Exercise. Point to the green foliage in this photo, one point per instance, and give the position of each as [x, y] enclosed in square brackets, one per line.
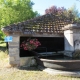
[1, 35]
[75, 13]
[13, 11]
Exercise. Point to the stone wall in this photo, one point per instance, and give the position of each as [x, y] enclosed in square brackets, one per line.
[68, 37]
[76, 38]
[14, 50]
[27, 61]
[72, 38]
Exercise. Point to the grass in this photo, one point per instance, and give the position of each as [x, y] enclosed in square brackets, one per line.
[12, 73]
[2, 44]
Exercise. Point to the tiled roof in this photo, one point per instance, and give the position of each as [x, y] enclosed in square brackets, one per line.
[48, 23]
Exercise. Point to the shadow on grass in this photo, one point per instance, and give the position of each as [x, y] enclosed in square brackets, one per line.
[32, 68]
[1, 42]
[2, 48]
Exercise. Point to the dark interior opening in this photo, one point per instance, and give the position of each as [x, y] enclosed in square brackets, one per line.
[48, 44]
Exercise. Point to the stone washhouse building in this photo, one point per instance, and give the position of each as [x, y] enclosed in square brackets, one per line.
[56, 33]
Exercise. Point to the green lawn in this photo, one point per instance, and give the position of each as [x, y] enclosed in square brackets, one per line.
[12, 73]
[2, 44]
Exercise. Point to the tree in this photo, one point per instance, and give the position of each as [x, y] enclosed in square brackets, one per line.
[14, 11]
[75, 12]
[71, 13]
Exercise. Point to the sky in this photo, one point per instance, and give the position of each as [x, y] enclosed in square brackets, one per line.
[41, 5]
